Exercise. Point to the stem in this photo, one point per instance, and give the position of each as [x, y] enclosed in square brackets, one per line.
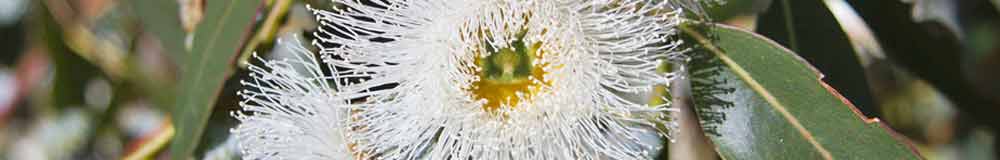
[691, 141]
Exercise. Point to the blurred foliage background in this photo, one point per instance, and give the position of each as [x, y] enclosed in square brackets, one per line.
[99, 79]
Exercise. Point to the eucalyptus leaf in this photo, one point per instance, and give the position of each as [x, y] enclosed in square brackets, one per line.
[217, 41]
[758, 100]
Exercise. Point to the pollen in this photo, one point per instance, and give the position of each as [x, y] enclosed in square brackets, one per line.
[509, 75]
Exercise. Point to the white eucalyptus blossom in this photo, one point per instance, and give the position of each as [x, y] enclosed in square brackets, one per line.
[500, 79]
[468, 79]
[290, 111]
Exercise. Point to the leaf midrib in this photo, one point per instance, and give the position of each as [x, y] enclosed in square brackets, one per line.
[757, 87]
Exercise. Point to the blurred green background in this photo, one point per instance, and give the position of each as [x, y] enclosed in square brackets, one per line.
[97, 79]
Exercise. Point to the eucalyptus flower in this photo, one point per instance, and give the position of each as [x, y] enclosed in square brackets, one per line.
[469, 79]
[290, 112]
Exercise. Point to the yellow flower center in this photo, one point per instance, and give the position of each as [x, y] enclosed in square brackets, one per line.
[507, 72]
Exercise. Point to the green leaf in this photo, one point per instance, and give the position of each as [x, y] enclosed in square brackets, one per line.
[217, 41]
[758, 100]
